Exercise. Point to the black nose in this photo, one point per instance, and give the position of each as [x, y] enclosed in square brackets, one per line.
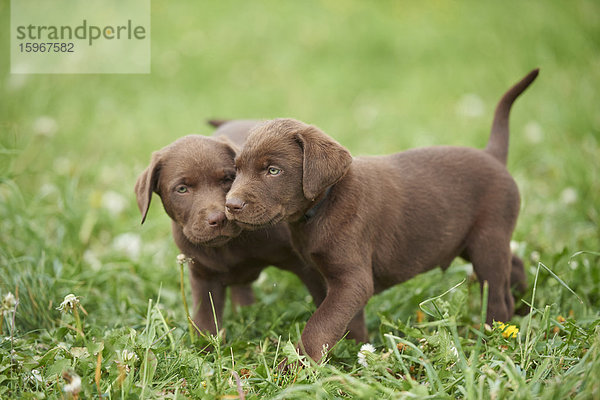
[234, 204]
[216, 219]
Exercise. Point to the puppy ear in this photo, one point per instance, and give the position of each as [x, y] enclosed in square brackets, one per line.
[147, 183]
[233, 148]
[217, 122]
[325, 161]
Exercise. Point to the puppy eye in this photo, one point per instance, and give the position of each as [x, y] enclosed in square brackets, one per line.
[273, 171]
[181, 189]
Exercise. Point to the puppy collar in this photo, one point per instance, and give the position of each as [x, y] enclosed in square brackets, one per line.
[313, 210]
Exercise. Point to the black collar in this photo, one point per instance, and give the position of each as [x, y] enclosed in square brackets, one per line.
[313, 210]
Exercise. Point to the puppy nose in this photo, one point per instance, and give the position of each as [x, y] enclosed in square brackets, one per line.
[234, 204]
[216, 219]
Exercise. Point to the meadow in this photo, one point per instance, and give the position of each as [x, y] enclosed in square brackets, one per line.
[380, 77]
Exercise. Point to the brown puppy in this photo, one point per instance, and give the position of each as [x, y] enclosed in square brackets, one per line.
[192, 177]
[370, 222]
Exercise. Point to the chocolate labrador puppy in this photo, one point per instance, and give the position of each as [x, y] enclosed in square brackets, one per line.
[368, 223]
[192, 177]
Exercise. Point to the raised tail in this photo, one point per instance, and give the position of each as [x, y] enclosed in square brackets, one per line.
[498, 143]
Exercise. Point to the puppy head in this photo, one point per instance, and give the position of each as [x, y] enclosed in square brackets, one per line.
[192, 177]
[284, 166]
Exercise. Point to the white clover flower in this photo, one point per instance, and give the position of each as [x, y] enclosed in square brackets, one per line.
[324, 350]
[35, 375]
[183, 259]
[8, 302]
[568, 196]
[63, 166]
[533, 132]
[17, 81]
[90, 258]
[47, 189]
[470, 105]
[362, 353]
[128, 243]
[454, 351]
[73, 385]
[514, 246]
[45, 126]
[573, 264]
[127, 355]
[115, 203]
[69, 303]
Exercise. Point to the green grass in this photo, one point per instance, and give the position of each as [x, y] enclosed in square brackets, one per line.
[378, 76]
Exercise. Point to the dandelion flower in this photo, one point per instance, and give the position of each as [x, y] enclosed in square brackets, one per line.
[508, 331]
[69, 303]
[183, 259]
[362, 353]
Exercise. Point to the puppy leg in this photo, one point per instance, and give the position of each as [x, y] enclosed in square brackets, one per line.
[518, 283]
[204, 291]
[357, 329]
[241, 295]
[346, 297]
[315, 284]
[312, 279]
[491, 260]
[518, 279]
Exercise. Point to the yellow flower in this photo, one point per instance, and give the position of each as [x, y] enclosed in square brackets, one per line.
[508, 331]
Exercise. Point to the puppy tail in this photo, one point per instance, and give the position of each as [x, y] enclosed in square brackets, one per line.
[498, 144]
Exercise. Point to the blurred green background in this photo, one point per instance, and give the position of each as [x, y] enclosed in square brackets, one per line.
[380, 77]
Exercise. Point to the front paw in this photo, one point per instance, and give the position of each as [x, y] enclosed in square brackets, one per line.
[293, 360]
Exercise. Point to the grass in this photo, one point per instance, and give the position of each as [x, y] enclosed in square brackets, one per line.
[379, 77]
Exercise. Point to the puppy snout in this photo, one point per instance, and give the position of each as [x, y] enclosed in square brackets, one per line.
[216, 219]
[234, 204]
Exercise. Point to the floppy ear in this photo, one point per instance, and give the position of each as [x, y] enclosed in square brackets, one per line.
[217, 122]
[233, 148]
[147, 183]
[325, 161]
